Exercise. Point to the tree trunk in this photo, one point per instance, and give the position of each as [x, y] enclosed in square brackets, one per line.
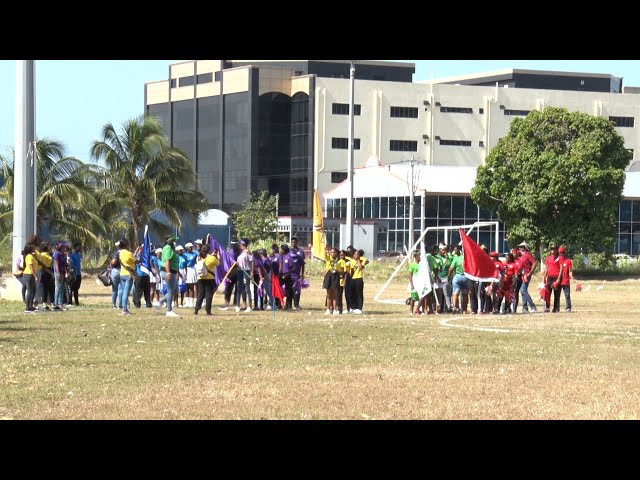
[541, 248]
[136, 233]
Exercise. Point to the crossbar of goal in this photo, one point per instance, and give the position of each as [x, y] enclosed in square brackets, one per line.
[447, 231]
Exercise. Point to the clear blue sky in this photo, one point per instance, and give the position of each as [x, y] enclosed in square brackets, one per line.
[75, 98]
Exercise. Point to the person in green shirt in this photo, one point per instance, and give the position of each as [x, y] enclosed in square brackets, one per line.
[413, 269]
[442, 285]
[169, 264]
[459, 281]
[431, 302]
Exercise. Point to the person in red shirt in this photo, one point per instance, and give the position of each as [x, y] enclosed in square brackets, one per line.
[552, 279]
[509, 284]
[518, 278]
[528, 264]
[567, 276]
[496, 287]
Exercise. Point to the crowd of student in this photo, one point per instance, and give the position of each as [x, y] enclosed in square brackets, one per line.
[50, 275]
[184, 277]
[344, 275]
[453, 292]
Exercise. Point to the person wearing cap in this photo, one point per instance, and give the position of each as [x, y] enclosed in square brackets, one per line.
[191, 275]
[245, 277]
[198, 244]
[154, 279]
[115, 277]
[170, 262]
[552, 279]
[528, 264]
[567, 276]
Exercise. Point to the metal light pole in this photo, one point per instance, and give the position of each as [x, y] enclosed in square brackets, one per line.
[24, 187]
[352, 74]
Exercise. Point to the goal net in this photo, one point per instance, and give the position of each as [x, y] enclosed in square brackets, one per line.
[395, 291]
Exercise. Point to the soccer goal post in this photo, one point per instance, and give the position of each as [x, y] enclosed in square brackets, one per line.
[448, 230]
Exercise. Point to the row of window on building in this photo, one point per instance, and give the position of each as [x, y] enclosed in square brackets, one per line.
[412, 112]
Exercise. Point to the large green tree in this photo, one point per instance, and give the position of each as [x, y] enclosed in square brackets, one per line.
[65, 200]
[257, 220]
[557, 176]
[144, 176]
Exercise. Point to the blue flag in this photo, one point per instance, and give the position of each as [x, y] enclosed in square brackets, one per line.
[226, 260]
[145, 255]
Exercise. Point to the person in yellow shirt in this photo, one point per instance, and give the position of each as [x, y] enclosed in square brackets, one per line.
[127, 272]
[205, 268]
[346, 268]
[334, 267]
[46, 278]
[30, 275]
[357, 280]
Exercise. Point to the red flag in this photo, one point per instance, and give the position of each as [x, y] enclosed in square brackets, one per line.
[477, 264]
[276, 290]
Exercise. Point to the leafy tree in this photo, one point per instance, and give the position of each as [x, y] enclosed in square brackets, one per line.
[144, 176]
[257, 220]
[557, 176]
[65, 200]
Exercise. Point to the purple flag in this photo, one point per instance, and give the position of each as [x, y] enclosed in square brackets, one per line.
[226, 260]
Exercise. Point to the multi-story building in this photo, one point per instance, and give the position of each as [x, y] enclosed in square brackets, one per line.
[282, 126]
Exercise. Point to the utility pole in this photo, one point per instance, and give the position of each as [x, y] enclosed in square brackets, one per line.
[352, 74]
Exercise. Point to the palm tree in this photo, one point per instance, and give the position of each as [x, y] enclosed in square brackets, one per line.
[145, 175]
[65, 201]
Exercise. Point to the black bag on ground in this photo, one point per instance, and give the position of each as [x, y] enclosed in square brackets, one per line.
[105, 277]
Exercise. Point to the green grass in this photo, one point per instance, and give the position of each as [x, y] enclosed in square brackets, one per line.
[91, 363]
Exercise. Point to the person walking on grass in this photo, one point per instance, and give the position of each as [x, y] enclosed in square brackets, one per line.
[75, 259]
[30, 276]
[567, 277]
[115, 277]
[170, 262]
[128, 262]
[528, 264]
[334, 267]
[205, 266]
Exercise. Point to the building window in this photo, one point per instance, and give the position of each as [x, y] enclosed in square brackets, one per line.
[458, 143]
[622, 121]
[338, 177]
[343, 109]
[217, 76]
[403, 146]
[298, 73]
[456, 110]
[343, 143]
[631, 152]
[404, 112]
[205, 78]
[173, 82]
[481, 143]
[481, 111]
[185, 81]
[520, 113]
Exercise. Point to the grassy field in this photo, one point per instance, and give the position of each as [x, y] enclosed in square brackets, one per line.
[91, 363]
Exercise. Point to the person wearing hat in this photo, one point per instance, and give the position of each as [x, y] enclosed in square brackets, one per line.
[528, 264]
[198, 244]
[567, 276]
[191, 276]
[552, 279]
[170, 262]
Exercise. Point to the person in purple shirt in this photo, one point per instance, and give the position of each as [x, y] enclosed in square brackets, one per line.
[232, 278]
[296, 250]
[291, 267]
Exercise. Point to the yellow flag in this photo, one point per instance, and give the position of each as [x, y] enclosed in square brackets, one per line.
[319, 240]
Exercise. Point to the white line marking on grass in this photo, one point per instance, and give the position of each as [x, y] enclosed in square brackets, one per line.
[445, 323]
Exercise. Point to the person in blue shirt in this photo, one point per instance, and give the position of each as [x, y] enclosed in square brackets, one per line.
[154, 279]
[115, 278]
[192, 277]
[142, 284]
[182, 276]
[75, 258]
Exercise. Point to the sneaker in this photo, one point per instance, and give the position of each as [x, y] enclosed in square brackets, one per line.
[126, 312]
[172, 314]
[336, 312]
[30, 310]
[223, 308]
[208, 314]
[195, 312]
[357, 311]
[546, 310]
[248, 309]
[327, 312]
[298, 307]
[268, 308]
[237, 309]
[567, 310]
[112, 306]
[47, 309]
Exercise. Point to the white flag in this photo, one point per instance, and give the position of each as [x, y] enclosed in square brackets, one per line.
[422, 280]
